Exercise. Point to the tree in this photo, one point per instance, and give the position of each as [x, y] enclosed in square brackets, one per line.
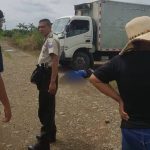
[31, 27]
[22, 27]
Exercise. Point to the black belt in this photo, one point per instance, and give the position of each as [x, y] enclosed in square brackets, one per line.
[44, 65]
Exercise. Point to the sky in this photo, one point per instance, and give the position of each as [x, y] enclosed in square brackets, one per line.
[31, 11]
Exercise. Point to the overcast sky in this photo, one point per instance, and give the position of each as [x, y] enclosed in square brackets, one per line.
[31, 11]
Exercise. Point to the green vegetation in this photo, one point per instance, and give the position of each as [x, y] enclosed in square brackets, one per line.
[24, 36]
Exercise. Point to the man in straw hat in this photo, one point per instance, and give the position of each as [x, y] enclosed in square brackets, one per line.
[3, 94]
[130, 69]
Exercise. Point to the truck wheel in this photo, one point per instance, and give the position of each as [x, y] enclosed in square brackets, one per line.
[80, 61]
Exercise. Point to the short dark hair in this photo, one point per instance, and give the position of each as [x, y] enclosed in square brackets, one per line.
[47, 21]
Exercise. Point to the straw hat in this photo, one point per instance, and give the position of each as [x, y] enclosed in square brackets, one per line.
[137, 29]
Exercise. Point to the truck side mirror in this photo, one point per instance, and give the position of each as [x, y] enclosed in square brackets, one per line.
[67, 28]
[61, 35]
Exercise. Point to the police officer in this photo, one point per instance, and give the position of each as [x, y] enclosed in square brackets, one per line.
[3, 94]
[49, 58]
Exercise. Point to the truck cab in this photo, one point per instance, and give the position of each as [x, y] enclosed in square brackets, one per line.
[75, 35]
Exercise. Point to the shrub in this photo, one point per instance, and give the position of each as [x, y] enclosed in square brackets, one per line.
[25, 36]
[27, 40]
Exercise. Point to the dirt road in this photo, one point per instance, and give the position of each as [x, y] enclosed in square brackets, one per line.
[86, 119]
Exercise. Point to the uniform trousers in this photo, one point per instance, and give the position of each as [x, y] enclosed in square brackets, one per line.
[46, 111]
[46, 114]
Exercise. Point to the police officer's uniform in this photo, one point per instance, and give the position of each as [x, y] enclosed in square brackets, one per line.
[50, 45]
[46, 110]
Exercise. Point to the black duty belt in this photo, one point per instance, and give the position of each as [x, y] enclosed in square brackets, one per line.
[44, 65]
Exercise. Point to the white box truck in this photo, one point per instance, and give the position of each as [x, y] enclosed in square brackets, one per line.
[96, 30]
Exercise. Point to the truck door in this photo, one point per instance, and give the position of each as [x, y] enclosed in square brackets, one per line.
[79, 35]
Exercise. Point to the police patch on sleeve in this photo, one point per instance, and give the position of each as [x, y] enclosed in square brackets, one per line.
[50, 45]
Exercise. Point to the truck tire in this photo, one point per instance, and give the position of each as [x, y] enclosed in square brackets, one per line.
[81, 60]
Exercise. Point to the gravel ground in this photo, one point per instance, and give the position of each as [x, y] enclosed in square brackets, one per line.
[86, 119]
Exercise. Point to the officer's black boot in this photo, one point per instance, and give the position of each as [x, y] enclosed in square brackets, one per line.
[52, 139]
[40, 145]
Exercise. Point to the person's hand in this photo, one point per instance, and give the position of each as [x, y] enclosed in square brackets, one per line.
[123, 114]
[7, 113]
[52, 88]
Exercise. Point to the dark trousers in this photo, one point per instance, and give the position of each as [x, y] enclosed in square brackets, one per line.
[135, 139]
[46, 114]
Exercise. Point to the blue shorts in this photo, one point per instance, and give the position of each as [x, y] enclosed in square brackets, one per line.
[135, 139]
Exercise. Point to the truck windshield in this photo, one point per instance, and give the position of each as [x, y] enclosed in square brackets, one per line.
[59, 25]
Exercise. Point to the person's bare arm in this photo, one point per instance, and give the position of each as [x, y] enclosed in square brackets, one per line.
[55, 62]
[5, 101]
[109, 91]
